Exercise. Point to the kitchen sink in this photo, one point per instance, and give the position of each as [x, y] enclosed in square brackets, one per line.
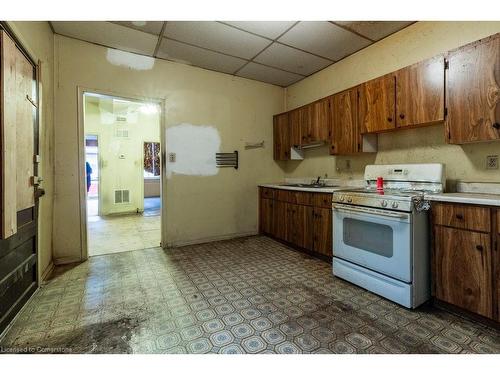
[317, 186]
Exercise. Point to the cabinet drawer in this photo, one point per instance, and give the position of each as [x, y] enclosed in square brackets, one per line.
[322, 200]
[462, 216]
[267, 193]
[295, 197]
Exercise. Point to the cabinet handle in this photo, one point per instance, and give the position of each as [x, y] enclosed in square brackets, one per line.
[496, 125]
[479, 247]
[459, 216]
[389, 119]
[401, 116]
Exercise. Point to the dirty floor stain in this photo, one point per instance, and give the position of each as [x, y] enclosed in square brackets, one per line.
[250, 295]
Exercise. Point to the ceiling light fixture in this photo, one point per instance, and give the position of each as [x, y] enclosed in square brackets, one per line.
[139, 23]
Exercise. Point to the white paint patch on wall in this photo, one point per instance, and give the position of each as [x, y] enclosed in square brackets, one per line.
[195, 148]
[130, 60]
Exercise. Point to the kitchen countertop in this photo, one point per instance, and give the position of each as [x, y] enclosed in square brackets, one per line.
[468, 198]
[331, 185]
[487, 194]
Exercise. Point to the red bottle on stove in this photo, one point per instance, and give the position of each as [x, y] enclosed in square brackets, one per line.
[380, 184]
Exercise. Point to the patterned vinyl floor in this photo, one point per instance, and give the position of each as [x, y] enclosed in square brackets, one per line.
[251, 295]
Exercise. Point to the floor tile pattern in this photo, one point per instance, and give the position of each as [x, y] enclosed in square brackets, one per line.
[249, 295]
[119, 233]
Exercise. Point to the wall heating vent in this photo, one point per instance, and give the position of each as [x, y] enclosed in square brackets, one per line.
[121, 119]
[122, 196]
[121, 133]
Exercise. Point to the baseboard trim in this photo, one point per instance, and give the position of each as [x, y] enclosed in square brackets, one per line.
[68, 260]
[199, 241]
[48, 271]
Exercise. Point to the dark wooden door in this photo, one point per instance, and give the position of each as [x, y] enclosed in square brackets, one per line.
[322, 231]
[473, 92]
[377, 100]
[266, 216]
[295, 127]
[345, 137]
[463, 269]
[321, 119]
[420, 93]
[281, 137]
[19, 205]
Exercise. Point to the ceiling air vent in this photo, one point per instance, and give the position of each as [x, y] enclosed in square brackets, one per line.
[122, 196]
[121, 119]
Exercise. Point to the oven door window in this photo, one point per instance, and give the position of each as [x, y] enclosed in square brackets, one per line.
[369, 236]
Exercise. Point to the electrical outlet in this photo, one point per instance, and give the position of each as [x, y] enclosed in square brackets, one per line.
[171, 157]
[492, 162]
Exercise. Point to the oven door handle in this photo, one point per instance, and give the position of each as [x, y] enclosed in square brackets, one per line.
[351, 209]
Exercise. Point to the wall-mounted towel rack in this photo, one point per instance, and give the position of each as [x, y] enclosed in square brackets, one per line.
[227, 159]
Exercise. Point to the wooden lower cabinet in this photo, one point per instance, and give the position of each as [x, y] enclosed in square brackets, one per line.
[465, 256]
[322, 231]
[266, 224]
[302, 219]
[463, 269]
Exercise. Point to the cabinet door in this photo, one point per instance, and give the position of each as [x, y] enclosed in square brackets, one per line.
[281, 218]
[299, 225]
[281, 137]
[420, 93]
[322, 231]
[321, 119]
[267, 218]
[295, 127]
[473, 92]
[463, 269]
[345, 130]
[305, 118]
[377, 104]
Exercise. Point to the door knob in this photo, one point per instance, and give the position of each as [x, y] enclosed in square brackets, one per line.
[479, 247]
[389, 119]
[401, 116]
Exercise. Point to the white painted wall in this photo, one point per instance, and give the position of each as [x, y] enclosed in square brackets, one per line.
[199, 208]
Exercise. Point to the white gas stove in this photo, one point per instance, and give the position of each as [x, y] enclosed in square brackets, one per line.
[381, 236]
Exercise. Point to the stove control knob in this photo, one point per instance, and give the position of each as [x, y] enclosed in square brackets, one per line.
[384, 203]
[394, 205]
[341, 198]
[349, 200]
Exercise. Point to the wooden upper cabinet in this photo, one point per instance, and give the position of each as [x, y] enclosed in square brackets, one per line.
[281, 137]
[321, 119]
[463, 269]
[377, 110]
[345, 137]
[473, 92]
[295, 127]
[420, 93]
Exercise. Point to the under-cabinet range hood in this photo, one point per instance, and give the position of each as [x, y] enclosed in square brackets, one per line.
[297, 152]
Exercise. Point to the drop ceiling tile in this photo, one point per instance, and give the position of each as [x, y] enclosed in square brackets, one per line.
[216, 36]
[269, 29]
[324, 39]
[152, 27]
[267, 74]
[291, 59]
[108, 34]
[183, 53]
[375, 30]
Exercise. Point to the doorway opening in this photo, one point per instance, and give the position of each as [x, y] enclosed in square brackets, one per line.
[123, 173]
[92, 175]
